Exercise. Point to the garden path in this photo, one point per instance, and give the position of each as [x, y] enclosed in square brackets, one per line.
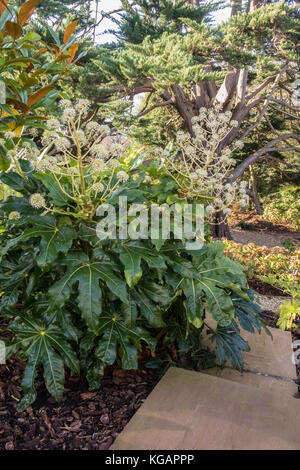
[221, 408]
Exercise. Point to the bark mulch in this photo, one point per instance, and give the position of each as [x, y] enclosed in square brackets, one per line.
[82, 421]
[265, 289]
[250, 220]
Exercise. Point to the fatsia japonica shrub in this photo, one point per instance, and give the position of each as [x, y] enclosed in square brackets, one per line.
[74, 299]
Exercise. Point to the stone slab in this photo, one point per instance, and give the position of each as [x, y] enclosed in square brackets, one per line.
[267, 355]
[189, 410]
[255, 379]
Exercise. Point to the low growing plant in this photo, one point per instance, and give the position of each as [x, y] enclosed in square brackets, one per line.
[74, 300]
[278, 262]
[289, 310]
[284, 206]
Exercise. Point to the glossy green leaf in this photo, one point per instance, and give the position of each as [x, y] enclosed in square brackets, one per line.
[132, 264]
[193, 303]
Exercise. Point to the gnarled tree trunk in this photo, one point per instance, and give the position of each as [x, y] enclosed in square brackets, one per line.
[219, 227]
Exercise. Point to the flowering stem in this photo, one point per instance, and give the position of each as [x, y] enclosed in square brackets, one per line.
[80, 165]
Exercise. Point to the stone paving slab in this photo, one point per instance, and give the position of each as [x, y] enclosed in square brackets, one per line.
[255, 379]
[267, 355]
[189, 410]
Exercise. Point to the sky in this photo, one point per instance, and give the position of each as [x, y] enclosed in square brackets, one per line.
[109, 5]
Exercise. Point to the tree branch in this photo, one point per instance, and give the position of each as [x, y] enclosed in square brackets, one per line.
[270, 147]
[156, 105]
[283, 103]
[260, 87]
[267, 101]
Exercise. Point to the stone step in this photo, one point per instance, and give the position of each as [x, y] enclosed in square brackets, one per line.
[190, 410]
[268, 365]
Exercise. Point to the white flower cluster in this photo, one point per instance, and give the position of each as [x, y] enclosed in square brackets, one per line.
[65, 138]
[37, 201]
[74, 147]
[200, 169]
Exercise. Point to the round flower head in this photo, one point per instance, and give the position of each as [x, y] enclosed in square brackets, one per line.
[62, 144]
[68, 114]
[14, 215]
[65, 103]
[239, 144]
[53, 124]
[210, 209]
[104, 130]
[82, 106]
[34, 132]
[92, 127]
[234, 123]
[227, 211]
[122, 176]
[99, 151]
[98, 165]
[48, 137]
[81, 137]
[37, 201]
[98, 187]
[113, 162]
[116, 149]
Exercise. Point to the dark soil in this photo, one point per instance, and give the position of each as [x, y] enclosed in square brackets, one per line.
[263, 288]
[249, 220]
[270, 318]
[82, 421]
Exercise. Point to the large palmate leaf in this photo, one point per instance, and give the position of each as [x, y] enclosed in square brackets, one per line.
[129, 313]
[13, 276]
[54, 239]
[137, 248]
[24, 186]
[59, 197]
[213, 266]
[115, 333]
[219, 303]
[229, 345]
[149, 310]
[193, 303]
[132, 264]
[43, 345]
[17, 204]
[88, 274]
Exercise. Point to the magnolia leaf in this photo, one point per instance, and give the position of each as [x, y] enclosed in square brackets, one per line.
[72, 52]
[39, 95]
[26, 11]
[3, 5]
[69, 31]
[13, 29]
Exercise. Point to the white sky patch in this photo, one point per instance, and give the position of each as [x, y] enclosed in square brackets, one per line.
[109, 5]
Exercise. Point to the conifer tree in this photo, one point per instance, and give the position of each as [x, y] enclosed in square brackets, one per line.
[170, 52]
